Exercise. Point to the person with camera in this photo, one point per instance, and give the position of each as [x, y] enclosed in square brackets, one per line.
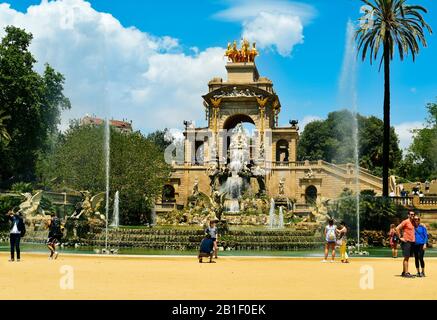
[17, 231]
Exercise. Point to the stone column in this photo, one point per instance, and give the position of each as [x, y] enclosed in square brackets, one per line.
[292, 156]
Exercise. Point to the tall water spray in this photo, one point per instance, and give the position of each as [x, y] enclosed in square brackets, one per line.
[116, 212]
[107, 168]
[348, 93]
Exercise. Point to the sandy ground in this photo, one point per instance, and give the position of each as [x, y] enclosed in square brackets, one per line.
[183, 278]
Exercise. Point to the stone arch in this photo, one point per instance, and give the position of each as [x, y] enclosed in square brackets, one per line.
[168, 193]
[311, 195]
[282, 151]
[199, 153]
[232, 121]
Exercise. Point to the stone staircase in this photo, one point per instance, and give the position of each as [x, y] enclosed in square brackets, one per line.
[347, 171]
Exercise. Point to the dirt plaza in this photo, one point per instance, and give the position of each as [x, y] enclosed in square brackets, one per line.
[183, 278]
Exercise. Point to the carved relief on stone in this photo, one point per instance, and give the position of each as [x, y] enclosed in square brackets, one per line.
[195, 191]
[237, 93]
[309, 174]
[282, 187]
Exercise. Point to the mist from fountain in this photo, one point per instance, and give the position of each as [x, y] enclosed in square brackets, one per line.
[348, 92]
[116, 213]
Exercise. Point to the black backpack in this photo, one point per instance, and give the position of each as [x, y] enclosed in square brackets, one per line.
[55, 227]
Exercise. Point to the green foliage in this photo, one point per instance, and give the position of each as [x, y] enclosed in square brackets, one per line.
[4, 135]
[21, 187]
[160, 139]
[32, 103]
[397, 26]
[332, 140]
[420, 163]
[374, 238]
[137, 168]
[376, 213]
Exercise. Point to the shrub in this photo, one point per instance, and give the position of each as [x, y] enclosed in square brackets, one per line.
[374, 238]
[21, 187]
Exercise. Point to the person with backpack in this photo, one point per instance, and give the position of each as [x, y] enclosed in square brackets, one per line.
[55, 236]
[394, 241]
[18, 230]
[330, 239]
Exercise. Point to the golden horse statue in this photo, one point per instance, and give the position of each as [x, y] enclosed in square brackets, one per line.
[245, 54]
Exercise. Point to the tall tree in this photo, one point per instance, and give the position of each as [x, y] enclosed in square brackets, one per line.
[33, 103]
[332, 140]
[137, 168]
[420, 163]
[388, 24]
[4, 135]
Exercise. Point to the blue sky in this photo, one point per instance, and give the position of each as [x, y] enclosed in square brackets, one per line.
[305, 73]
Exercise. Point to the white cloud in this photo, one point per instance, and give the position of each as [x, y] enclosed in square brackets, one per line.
[273, 25]
[117, 71]
[308, 119]
[403, 130]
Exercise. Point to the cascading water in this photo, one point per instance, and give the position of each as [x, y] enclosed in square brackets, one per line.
[272, 216]
[116, 213]
[239, 157]
[281, 218]
[276, 221]
[349, 93]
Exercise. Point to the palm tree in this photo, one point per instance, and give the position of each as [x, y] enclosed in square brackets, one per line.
[390, 24]
[4, 135]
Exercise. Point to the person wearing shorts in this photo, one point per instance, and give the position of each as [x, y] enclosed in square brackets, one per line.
[55, 235]
[406, 233]
[330, 240]
[394, 240]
